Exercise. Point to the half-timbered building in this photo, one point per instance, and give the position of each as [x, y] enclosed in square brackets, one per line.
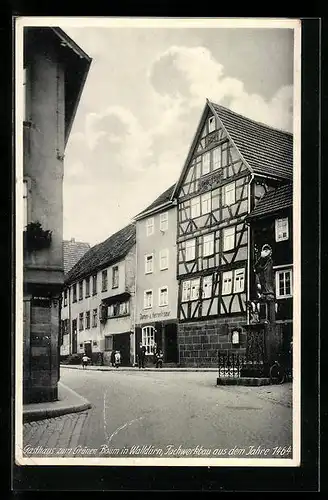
[233, 161]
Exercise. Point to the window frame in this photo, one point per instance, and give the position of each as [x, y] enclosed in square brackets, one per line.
[228, 198]
[149, 258]
[187, 248]
[211, 242]
[87, 286]
[148, 226]
[81, 321]
[206, 198]
[104, 280]
[148, 293]
[74, 292]
[207, 155]
[284, 272]
[209, 278]
[94, 284]
[115, 272]
[240, 270]
[95, 317]
[148, 338]
[185, 287]
[166, 303]
[211, 120]
[81, 290]
[225, 237]
[87, 320]
[230, 281]
[164, 221]
[165, 252]
[194, 296]
[65, 297]
[193, 205]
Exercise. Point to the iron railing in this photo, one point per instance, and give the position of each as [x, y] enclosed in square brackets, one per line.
[230, 364]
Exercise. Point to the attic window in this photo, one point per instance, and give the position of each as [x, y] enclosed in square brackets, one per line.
[211, 124]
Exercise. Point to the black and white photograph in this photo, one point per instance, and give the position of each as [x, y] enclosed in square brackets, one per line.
[157, 241]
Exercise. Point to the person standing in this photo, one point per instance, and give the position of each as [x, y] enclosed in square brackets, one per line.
[117, 359]
[141, 355]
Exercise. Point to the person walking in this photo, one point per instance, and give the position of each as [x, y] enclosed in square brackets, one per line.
[112, 358]
[85, 361]
[141, 355]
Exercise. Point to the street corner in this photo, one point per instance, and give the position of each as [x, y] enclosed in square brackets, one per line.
[68, 402]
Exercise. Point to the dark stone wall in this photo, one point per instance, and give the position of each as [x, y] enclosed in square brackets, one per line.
[200, 341]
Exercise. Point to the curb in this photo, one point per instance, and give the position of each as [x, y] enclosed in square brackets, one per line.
[33, 414]
[250, 381]
[136, 370]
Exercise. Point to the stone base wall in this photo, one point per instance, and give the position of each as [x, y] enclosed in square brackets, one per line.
[200, 341]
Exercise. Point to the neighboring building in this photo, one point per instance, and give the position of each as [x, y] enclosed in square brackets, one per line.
[73, 252]
[271, 223]
[55, 69]
[99, 299]
[232, 162]
[156, 289]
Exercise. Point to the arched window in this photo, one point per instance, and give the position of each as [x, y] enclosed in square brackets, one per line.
[148, 338]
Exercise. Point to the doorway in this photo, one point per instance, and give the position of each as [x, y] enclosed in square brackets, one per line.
[88, 349]
[74, 336]
[121, 342]
[170, 343]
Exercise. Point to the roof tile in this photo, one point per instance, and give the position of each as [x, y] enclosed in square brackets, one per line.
[273, 201]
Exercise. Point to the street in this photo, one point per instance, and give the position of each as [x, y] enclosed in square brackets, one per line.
[166, 414]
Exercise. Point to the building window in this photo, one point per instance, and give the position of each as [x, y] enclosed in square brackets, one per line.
[228, 238]
[94, 318]
[195, 207]
[87, 286]
[164, 259]
[115, 277]
[207, 286]
[282, 232]
[208, 244]
[284, 286]
[109, 343]
[81, 321]
[104, 281]
[118, 309]
[65, 297]
[87, 320]
[216, 158]
[211, 124]
[80, 290]
[185, 291]
[206, 203]
[74, 292]
[94, 284]
[148, 338]
[190, 249]
[25, 201]
[229, 193]
[149, 263]
[227, 283]
[150, 226]
[206, 163]
[239, 280]
[164, 221]
[148, 299]
[163, 296]
[194, 289]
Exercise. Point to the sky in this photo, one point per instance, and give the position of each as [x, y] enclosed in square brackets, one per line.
[141, 104]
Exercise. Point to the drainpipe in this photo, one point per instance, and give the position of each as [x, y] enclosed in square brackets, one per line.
[249, 245]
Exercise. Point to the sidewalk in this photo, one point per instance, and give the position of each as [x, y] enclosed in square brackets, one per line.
[136, 369]
[68, 402]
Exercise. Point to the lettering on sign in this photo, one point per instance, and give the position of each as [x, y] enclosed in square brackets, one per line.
[155, 315]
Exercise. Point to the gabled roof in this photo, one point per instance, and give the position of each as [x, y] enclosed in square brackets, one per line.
[104, 254]
[162, 199]
[73, 251]
[273, 201]
[265, 150]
